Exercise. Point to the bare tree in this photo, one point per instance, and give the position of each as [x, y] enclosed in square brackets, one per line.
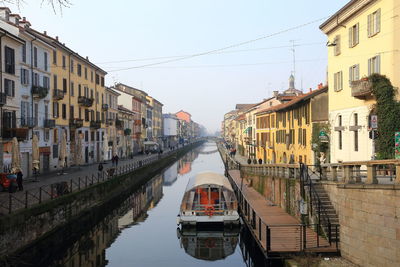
[60, 4]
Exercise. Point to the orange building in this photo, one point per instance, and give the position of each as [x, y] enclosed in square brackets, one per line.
[183, 115]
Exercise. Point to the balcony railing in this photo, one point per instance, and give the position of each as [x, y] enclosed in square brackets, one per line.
[104, 107]
[119, 124]
[361, 88]
[95, 124]
[3, 99]
[49, 123]
[58, 94]
[39, 91]
[19, 133]
[85, 101]
[28, 122]
[76, 123]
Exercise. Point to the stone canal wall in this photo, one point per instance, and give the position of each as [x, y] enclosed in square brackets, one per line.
[20, 229]
[283, 192]
[369, 217]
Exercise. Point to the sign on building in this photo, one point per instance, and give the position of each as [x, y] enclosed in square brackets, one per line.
[397, 145]
[374, 121]
[323, 137]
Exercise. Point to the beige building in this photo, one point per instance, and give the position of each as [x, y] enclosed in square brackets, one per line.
[111, 119]
[363, 38]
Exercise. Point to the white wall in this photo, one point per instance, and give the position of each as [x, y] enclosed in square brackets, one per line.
[170, 126]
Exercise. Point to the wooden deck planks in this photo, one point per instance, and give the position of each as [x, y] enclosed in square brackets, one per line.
[286, 230]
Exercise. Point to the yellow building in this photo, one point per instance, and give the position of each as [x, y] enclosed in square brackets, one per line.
[284, 131]
[155, 109]
[363, 38]
[78, 98]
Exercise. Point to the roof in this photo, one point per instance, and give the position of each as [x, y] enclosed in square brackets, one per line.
[129, 87]
[124, 109]
[245, 106]
[208, 178]
[112, 91]
[241, 117]
[335, 17]
[294, 101]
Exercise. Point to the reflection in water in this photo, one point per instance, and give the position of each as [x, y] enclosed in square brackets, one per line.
[140, 229]
[208, 245]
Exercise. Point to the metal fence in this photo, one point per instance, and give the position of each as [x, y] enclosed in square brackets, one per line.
[12, 202]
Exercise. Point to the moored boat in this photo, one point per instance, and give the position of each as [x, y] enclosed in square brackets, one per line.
[208, 199]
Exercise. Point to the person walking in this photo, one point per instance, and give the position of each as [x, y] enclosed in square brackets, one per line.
[100, 169]
[116, 158]
[19, 180]
[113, 160]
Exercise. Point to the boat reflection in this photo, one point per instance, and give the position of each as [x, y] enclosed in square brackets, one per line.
[208, 245]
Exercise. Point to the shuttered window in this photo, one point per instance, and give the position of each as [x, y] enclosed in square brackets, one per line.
[374, 65]
[354, 35]
[374, 23]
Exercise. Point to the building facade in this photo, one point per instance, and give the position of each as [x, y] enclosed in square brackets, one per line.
[363, 38]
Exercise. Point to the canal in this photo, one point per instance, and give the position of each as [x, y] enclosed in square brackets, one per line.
[141, 229]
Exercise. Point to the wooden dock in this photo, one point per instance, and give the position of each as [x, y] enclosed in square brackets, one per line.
[275, 230]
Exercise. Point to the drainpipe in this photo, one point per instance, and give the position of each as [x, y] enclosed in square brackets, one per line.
[1, 91]
[34, 38]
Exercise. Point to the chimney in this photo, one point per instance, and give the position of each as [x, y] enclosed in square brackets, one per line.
[87, 58]
[45, 33]
[24, 23]
[275, 93]
[23, 18]
[310, 89]
[14, 18]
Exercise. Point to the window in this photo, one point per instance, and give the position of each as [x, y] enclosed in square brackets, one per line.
[45, 61]
[72, 89]
[9, 87]
[36, 79]
[35, 57]
[79, 67]
[338, 81]
[86, 115]
[354, 35]
[55, 81]
[64, 65]
[64, 85]
[85, 73]
[71, 112]
[25, 110]
[46, 112]
[340, 141]
[355, 132]
[337, 45]
[46, 82]
[86, 136]
[91, 76]
[102, 81]
[97, 97]
[304, 137]
[24, 76]
[24, 53]
[97, 79]
[374, 23]
[9, 60]
[55, 110]
[79, 90]
[354, 73]
[72, 65]
[46, 135]
[54, 57]
[374, 65]
[64, 111]
[36, 113]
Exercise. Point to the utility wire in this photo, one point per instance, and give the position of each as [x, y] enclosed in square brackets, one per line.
[223, 48]
[222, 52]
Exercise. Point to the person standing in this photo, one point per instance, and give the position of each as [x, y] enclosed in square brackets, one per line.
[113, 160]
[19, 180]
[116, 158]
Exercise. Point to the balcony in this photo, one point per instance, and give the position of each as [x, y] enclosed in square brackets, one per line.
[76, 123]
[49, 123]
[58, 94]
[109, 122]
[20, 133]
[28, 122]
[119, 124]
[361, 88]
[3, 99]
[95, 124]
[39, 92]
[104, 107]
[85, 101]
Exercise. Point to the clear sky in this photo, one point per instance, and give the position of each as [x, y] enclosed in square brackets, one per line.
[206, 86]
